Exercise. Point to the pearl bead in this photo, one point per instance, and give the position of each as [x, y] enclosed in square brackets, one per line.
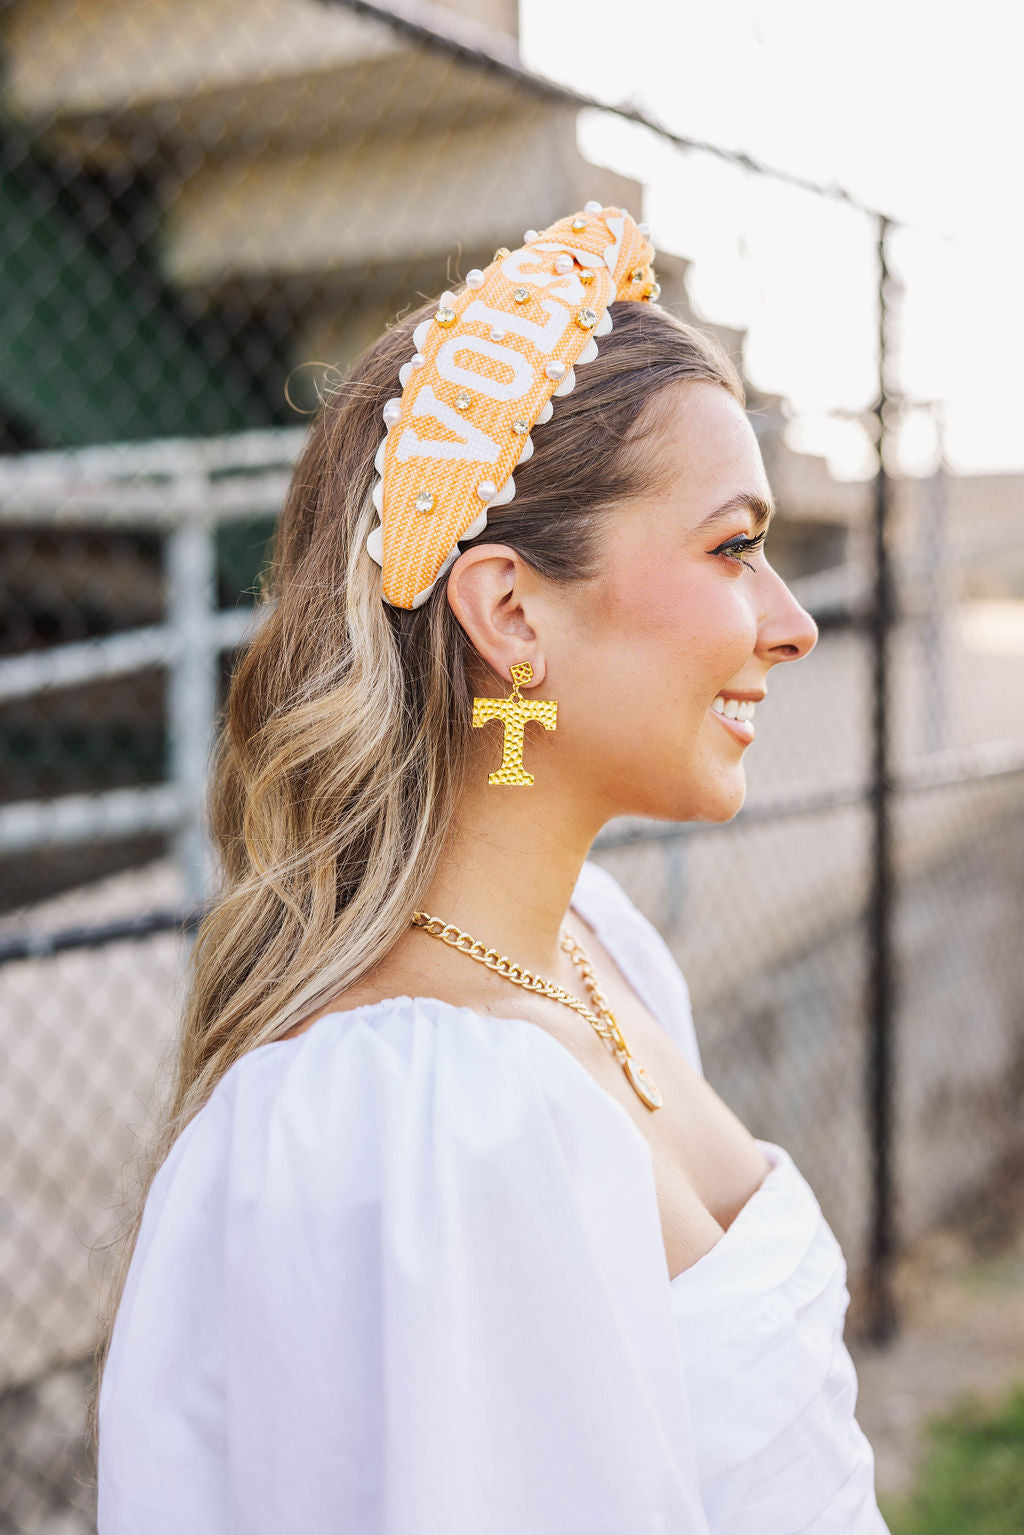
[592, 206]
[555, 370]
[529, 234]
[447, 299]
[564, 262]
[497, 332]
[475, 278]
[391, 412]
[417, 359]
[487, 490]
[645, 230]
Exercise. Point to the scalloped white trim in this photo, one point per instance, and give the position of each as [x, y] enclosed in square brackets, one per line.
[476, 527]
[504, 495]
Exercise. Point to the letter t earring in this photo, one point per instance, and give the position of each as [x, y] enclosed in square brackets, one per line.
[514, 711]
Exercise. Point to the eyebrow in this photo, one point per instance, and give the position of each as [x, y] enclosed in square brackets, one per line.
[763, 510]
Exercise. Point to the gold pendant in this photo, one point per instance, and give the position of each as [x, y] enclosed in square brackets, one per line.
[514, 711]
[644, 1084]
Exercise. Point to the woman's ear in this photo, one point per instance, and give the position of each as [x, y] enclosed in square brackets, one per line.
[492, 592]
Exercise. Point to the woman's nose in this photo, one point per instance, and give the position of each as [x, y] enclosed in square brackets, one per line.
[787, 632]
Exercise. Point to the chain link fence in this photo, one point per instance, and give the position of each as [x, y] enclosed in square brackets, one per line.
[197, 202]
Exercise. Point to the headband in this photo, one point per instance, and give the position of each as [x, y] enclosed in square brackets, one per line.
[483, 373]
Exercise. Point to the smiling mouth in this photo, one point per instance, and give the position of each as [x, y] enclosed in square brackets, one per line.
[739, 720]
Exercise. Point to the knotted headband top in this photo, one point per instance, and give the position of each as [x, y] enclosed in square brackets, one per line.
[483, 373]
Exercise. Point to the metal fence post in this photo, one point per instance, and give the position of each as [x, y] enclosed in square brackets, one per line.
[933, 629]
[192, 683]
[881, 1312]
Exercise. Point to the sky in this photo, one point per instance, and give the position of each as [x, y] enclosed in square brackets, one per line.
[915, 109]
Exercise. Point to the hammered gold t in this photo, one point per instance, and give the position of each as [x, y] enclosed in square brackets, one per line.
[514, 711]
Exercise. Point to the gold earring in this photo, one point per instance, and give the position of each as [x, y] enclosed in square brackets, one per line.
[514, 711]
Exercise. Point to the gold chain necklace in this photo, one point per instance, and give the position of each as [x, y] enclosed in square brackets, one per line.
[605, 1025]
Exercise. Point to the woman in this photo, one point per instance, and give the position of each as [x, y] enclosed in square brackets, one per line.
[443, 1245]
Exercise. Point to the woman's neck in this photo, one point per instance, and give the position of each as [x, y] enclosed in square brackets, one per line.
[508, 874]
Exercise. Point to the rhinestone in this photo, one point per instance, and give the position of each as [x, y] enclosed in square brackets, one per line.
[655, 293]
[521, 295]
[487, 490]
[520, 427]
[585, 318]
[424, 501]
[475, 278]
[637, 274]
[578, 223]
[445, 316]
[501, 252]
[497, 332]
[463, 400]
[556, 370]
[586, 276]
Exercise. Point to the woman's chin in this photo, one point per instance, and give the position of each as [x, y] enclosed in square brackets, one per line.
[720, 801]
[720, 805]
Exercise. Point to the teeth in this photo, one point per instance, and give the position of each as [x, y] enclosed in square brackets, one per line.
[734, 708]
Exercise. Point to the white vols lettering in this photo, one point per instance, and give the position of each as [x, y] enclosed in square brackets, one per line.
[544, 337]
[523, 375]
[475, 446]
[521, 267]
[561, 290]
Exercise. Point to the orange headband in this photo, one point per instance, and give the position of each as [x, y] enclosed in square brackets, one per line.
[483, 373]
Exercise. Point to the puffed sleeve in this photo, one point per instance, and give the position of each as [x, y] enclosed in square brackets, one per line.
[402, 1275]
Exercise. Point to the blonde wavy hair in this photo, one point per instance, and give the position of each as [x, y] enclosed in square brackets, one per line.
[346, 732]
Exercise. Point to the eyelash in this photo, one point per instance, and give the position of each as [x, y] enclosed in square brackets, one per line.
[740, 546]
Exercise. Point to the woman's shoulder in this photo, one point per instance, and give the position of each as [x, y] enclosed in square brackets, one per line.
[409, 1214]
[382, 1084]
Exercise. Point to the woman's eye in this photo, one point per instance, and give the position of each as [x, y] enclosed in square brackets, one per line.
[738, 547]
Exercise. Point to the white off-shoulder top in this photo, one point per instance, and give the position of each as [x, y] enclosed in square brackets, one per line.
[404, 1274]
